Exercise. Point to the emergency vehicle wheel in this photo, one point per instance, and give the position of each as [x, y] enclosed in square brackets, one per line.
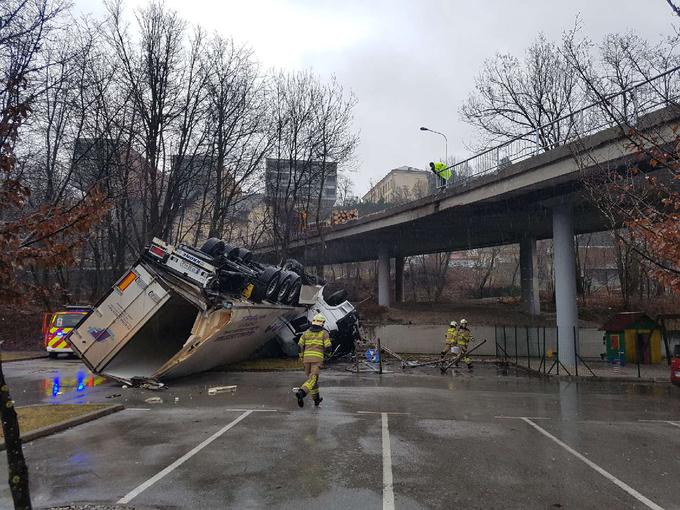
[52, 355]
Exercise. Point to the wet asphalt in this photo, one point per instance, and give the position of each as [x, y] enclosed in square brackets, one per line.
[455, 441]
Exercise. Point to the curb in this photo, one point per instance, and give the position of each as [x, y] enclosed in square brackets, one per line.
[37, 356]
[596, 378]
[61, 426]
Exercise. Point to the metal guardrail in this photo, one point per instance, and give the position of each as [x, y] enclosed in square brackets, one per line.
[621, 108]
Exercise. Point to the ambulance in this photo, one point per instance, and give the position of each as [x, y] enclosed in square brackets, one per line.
[57, 328]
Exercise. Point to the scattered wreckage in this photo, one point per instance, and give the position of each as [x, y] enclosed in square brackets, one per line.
[181, 310]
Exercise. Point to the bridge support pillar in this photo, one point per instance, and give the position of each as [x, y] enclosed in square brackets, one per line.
[529, 276]
[398, 279]
[383, 277]
[565, 280]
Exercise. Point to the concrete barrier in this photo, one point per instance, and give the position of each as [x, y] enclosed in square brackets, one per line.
[520, 340]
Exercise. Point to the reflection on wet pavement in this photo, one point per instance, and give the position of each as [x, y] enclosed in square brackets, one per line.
[61, 388]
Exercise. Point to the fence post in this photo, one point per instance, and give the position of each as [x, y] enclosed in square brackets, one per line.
[379, 357]
[575, 352]
[505, 344]
[557, 347]
[637, 353]
[528, 353]
[543, 360]
[516, 352]
[495, 338]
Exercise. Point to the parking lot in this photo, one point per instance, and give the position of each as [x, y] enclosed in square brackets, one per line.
[416, 440]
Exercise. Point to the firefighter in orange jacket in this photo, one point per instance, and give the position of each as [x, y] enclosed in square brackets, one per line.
[314, 343]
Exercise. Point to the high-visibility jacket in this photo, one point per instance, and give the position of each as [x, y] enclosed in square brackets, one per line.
[441, 170]
[313, 344]
[464, 336]
[451, 336]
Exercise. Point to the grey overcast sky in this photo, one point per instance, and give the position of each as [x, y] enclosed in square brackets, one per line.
[409, 62]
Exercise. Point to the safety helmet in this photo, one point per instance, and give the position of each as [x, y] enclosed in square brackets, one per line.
[454, 324]
[318, 320]
[463, 322]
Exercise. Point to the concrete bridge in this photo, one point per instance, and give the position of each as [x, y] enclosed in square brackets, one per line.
[538, 197]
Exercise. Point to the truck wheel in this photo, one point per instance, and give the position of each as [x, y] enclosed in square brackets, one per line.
[269, 278]
[263, 285]
[337, 298]
[213, 247]
[245, 255]
[286, 279]
[294, 292]
[295, 266]
[230, 252]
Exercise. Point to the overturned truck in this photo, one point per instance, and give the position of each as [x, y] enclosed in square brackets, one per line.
[181, 310]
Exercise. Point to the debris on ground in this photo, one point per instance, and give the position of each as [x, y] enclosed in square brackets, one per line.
[113, 395]
[221, 389]
[154, 400]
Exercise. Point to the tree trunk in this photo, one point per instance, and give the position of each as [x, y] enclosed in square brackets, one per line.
[16, 464]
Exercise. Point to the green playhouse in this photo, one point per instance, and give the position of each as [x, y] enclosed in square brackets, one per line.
[633, 337]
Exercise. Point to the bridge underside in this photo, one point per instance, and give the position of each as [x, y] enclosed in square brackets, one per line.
[538, 198]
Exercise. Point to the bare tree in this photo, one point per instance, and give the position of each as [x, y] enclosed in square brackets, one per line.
[312, 134]
[513, 98]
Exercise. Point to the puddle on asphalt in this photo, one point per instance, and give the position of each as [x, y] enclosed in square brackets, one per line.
[69, 387]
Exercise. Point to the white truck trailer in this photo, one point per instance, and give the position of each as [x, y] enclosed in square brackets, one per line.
[180, 311]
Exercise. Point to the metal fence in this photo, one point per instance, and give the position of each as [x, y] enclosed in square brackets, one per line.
[536, 348]
[623, 108]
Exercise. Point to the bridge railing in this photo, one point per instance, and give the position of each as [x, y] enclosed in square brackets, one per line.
[622, 108]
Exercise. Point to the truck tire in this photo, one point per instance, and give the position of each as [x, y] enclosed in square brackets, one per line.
[286, 279]
[337, 297]
[294, 292]
[230, 252]
[264, 283]
[245, 255]
[295, 266]
[213, 247]
[270, 279]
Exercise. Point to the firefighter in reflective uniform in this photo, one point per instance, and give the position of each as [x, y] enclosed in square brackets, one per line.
[314, 343]
[464, 337]
[450, 342]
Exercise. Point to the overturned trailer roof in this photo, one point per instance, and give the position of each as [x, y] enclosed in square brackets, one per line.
[169, 316]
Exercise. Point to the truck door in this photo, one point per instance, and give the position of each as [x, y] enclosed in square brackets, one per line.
[134, 299]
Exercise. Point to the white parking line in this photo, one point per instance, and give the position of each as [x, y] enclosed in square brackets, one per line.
[158, 476]
[642, 499]
[388, 488]
[674, 423]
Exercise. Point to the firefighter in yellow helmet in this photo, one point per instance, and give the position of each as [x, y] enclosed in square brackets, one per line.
[314, 343]
[451, 342]
[464, 337]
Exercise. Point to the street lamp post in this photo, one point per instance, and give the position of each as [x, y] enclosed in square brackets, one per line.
[446, 148]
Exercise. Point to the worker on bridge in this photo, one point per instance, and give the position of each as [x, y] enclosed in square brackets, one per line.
[442, 171]
[314, 343]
